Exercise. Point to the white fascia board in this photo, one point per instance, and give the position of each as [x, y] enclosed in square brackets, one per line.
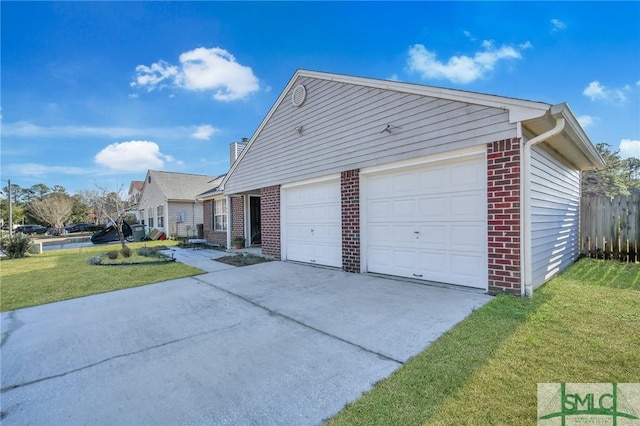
[582, 141]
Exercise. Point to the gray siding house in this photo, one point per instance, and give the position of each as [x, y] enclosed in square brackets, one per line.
[413, 181]
[168, 202]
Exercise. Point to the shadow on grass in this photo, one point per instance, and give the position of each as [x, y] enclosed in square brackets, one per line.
[415, 391]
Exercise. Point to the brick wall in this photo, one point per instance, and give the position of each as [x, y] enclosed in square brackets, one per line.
[270, 220]
[503, 205]
[350, 190]
[213, 237]
[237, 216]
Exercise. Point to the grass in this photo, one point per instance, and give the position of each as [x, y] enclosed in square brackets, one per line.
[242, 260]
[582, 326]
[65, 274]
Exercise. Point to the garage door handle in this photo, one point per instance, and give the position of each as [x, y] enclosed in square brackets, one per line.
[417, 275]
[312, 260]
[416, 232]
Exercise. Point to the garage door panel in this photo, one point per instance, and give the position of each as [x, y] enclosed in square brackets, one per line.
[432, 208]
[468, 237]
[312, 223]
[434, 228]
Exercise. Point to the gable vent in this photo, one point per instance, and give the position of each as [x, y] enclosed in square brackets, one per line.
[299, 95]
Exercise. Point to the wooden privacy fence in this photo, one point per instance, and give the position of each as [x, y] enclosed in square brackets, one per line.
[610, 227]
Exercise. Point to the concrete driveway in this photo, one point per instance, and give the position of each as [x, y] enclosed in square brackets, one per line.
[274, 343]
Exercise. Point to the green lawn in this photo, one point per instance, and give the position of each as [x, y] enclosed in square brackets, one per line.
[582, 326]
[64, 274]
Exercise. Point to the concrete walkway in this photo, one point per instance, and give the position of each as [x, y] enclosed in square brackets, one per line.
[276, 343]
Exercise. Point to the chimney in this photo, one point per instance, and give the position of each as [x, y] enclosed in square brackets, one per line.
[235, 149]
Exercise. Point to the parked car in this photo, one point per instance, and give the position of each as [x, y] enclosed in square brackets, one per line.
[81, 227]
[31, 229]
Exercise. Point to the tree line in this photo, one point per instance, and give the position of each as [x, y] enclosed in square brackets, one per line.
[55, 207]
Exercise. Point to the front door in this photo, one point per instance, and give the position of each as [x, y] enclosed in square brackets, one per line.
[254, 221]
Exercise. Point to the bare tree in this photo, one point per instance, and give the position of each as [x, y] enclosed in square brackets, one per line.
[53, 209]
[113, 206]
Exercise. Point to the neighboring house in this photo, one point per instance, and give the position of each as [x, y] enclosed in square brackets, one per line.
[216, 210]
[413, 181]
[135, 192]
[168, 202]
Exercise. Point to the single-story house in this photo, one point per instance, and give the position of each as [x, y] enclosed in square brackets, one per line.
[413, 181]
[168, 202]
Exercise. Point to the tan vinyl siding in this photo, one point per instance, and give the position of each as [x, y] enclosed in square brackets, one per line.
[342, 129]
[192, 217]
[555, 201]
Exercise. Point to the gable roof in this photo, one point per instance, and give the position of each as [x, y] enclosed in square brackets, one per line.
[181, 186]
[535, 117]
[137, 185]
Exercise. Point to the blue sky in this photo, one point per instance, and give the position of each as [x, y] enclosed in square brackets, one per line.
[99, 92]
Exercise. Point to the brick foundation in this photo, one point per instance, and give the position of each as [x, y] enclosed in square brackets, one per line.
[350, 190]
[503, 214]
[270, 220]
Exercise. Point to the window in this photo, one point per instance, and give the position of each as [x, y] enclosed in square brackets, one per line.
[219, 215]
[160, 216]
[150, 217]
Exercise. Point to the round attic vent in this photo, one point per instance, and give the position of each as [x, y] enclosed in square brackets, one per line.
[299, 95]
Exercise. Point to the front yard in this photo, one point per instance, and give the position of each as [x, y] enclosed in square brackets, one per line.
[583, 326]
[65, 274]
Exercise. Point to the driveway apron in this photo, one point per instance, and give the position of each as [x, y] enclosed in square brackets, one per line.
[273, 343]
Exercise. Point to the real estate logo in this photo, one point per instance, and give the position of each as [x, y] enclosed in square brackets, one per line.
[563, 404]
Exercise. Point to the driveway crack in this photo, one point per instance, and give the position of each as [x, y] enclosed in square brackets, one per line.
[139, 351]
[296, 321]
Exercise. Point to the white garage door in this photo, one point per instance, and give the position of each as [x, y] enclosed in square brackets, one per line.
[429, 222]
[312, 223]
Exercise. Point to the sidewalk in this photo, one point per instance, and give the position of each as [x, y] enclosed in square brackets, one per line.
[201, 258]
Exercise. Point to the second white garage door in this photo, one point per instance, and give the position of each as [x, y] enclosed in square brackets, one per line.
[311, 222]
[429, 222]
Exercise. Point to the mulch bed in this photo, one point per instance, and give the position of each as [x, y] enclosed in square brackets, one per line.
[240, 260]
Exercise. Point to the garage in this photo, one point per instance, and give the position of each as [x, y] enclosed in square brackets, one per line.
[311, 222]
[428, 221]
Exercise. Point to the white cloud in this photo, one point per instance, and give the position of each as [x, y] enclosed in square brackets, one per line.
[204, 132]
[557, 25]
[597, 92]
[461, 69]
[586, 120]
[29, 130]
[629, 148]
[36, 170]
[215, 70]
[132, 156]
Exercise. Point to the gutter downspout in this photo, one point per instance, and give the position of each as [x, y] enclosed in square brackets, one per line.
[527, 276]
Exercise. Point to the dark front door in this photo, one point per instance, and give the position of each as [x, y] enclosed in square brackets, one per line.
[254, 212]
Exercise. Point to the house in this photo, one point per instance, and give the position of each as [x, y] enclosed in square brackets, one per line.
[216, 211]
[135, 192]
[414, 181]
[168, 202]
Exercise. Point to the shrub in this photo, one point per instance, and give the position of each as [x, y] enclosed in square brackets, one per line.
[150, 252]
[126, 251]
[17, 245]
[112, 254]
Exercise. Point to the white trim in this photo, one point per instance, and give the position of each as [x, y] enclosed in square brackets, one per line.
[418, 161]
[283, 220]
[229, 221]
[362, 183]
[310, 182]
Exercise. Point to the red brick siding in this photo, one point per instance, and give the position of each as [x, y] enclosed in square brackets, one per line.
[213, 237]
[503, 210]
[350, 190]
[270, 220]
[237, 216]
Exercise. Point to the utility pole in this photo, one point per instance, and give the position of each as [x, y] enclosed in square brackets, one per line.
[10, 210]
